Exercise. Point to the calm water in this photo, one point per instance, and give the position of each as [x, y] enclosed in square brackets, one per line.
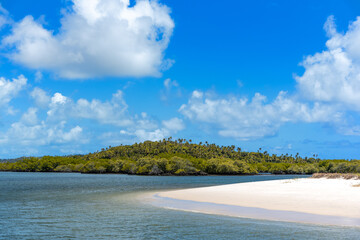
[76, 206]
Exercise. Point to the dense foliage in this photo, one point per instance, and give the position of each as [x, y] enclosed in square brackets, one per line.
[180, 157]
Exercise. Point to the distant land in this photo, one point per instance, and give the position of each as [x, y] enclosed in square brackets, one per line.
[180, 157]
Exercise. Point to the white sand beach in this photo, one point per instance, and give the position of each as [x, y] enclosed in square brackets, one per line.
[328, 197]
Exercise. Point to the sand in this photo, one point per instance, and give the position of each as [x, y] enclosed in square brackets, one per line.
[321, 197]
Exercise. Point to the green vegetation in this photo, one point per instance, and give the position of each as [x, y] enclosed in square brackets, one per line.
[180, 157]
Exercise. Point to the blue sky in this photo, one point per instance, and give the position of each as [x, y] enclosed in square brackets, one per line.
[79, 75]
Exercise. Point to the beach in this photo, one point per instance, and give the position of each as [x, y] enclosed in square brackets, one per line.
[329, 201]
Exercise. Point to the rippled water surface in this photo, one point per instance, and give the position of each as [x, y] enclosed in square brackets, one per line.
[77, 206]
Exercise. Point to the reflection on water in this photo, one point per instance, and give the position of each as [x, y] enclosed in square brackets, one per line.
[77, 206]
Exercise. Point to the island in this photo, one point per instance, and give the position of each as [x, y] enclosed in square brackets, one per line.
[180, 157]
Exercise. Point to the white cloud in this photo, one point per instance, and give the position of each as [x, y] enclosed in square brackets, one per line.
[42, 99]
[171, 89]
[197, 94]
[73, 134]
[60, 108]
[130, 136]
[148, 129]
[30, 117]
[60, 123]
[333, 76]
[38, 76]
[41, 134]
[58, 98]
[328, 93]
[168, 83]
[144, 122]
[29, 131]
[112, 112]
[98, 38]
[4, 17]
[244, 119]
[9, 89]
[153, 132]
[155, 135]
[174, 124]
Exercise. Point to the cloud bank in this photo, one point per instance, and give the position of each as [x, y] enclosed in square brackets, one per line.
[246, 119]
[97, 38]
[9, 89]
[328, 92]
[333, 76]
[59, 121]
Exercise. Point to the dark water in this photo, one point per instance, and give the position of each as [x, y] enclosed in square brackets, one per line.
[76, 206]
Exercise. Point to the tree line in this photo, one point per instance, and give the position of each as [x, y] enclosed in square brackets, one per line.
[180, 157]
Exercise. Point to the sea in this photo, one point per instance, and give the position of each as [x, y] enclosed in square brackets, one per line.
[111, 206]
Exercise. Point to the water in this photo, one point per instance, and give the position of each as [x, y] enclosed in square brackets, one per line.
[77, 206]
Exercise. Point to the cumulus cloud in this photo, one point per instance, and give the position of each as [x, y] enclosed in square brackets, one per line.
[10, 88]
[328, 92]
[41, 98]
[168, 83]
[112, 112]
[30, 117]
[4, 17]
[145, 134]
[333, 76]
[41, 134]
[60, 109]
[147, 129]
[38, 76]
[29, 131]
[56, 120]
[97, 38]
[171, 89]
[154, 135]
[174, 124]
[246, 119]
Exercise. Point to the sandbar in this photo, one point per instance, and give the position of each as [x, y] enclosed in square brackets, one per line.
[328, 201]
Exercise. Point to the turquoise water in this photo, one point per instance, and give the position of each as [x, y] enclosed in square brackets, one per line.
[77, 206]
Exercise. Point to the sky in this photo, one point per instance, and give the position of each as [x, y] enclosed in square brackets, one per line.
[80, 75]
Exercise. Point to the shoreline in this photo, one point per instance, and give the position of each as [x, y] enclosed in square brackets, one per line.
[319, 201]
[253, 213]
[167, 175]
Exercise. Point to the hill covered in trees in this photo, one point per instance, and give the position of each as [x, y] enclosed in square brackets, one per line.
[180, 157]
